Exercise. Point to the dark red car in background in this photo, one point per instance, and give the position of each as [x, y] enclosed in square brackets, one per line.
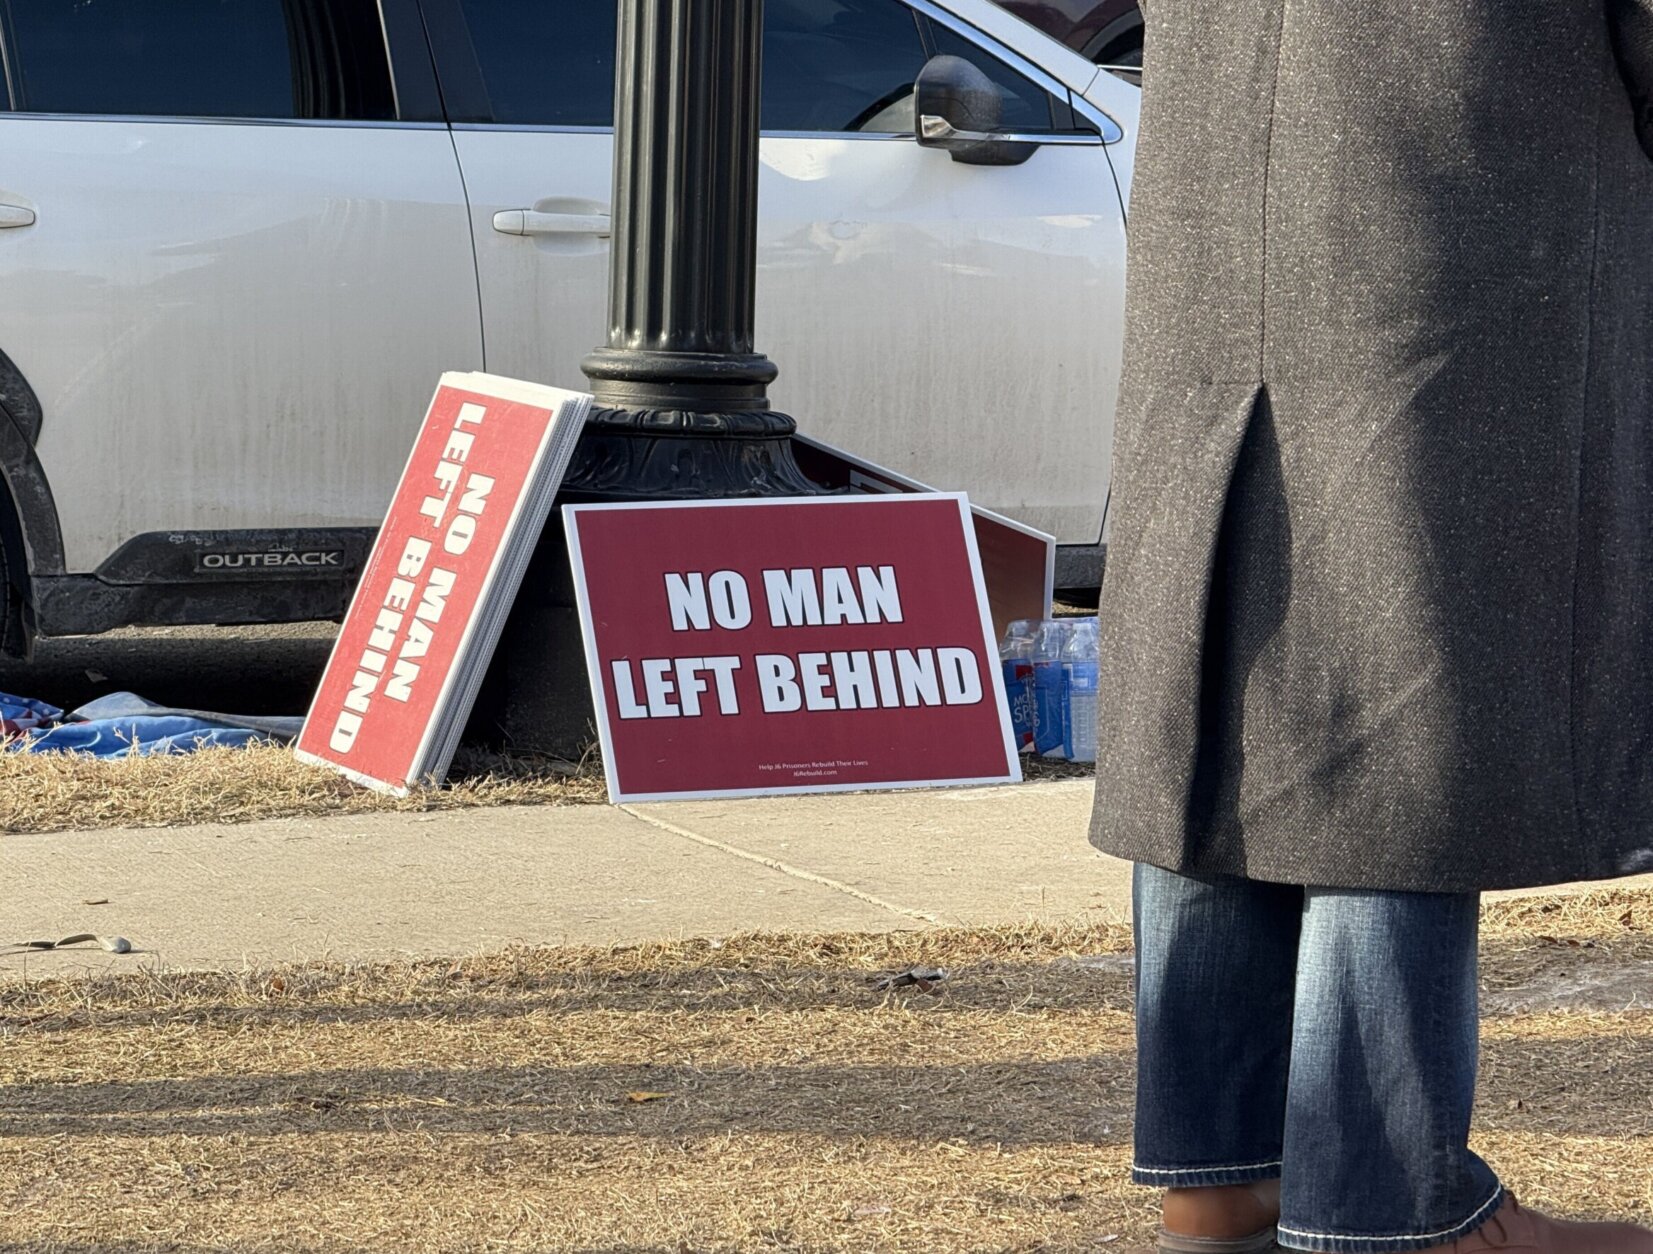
[1109, 32]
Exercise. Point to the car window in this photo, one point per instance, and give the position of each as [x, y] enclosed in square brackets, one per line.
[840, 65]
[829, 65]
[545, 62]
[198, 58]
[1028, 108]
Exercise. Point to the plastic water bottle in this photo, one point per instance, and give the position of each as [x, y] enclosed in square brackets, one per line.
[1049, 681]
[1080, 661]
[1016, 657]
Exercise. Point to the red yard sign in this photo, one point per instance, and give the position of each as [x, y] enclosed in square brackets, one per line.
[432, 599]
[800, 645]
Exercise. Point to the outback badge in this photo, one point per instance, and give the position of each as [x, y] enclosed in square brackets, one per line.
[288, 561]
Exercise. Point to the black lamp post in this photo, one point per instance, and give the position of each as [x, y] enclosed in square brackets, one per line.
[682, 405]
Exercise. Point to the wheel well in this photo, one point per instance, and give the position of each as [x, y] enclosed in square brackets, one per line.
[14, 578]
[1120, 36]
[25, 498]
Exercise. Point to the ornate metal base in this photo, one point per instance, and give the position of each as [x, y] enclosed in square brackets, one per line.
[655, 454]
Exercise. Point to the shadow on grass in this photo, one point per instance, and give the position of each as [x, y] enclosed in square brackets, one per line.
[1587, 1086]
[1013, 1103]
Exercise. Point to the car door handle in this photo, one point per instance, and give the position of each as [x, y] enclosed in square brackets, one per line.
[15, 215]
[532, 222]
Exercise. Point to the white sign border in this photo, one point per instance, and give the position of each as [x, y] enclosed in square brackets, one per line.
[599, 688]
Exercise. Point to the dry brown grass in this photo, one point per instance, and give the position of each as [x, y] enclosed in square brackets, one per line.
[62, 792]
[489, 1103]
[1574, 919]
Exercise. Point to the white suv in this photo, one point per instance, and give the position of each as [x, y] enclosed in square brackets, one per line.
[240, 239]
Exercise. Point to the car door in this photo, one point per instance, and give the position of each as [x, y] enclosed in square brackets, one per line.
[247, 261]
[957, 323]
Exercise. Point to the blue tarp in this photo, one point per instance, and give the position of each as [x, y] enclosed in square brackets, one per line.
[118, 737]
[124, 723]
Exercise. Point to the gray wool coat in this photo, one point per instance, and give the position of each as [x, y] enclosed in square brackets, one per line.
[1378, 610]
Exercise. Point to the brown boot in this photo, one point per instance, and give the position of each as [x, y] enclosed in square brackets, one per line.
[1516, 1230]
[1226, 1219]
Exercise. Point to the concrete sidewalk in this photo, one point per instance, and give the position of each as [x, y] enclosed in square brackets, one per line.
[388, 886]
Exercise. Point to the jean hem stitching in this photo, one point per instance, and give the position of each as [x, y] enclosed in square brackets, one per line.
[1203, 1171]
[1481, 1215]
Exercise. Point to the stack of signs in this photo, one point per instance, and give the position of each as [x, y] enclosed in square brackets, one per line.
[796, 645]
[1018, 563]
[439, 583]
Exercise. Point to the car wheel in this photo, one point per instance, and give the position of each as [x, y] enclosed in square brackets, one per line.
[1126, 55]
[1120, 51]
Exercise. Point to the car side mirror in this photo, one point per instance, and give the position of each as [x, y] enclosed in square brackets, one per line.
[960, 109]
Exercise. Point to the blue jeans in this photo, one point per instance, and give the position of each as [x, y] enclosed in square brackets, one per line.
[1322, 1036]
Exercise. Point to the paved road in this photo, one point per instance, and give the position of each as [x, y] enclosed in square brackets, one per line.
[240, 670]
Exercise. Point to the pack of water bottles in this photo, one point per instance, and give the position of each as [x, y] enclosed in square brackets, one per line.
[1050, 676]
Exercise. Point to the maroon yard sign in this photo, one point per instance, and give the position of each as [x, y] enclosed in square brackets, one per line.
[1018, 563]
[783, 646]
